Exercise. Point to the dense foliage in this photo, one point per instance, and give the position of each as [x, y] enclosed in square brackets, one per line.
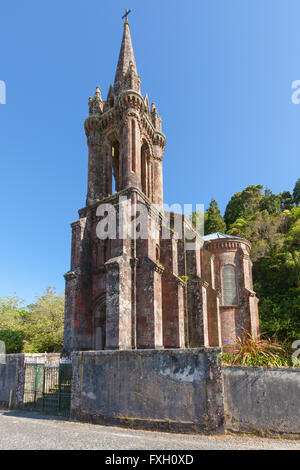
[271, 222]
[13, 341]
[36, 328]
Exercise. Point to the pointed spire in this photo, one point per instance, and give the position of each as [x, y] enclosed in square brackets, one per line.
[126, 60]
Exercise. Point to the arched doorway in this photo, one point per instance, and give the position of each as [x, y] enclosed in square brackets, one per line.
[100, 324]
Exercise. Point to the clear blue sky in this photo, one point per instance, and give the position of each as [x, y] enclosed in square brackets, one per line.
[220, 72]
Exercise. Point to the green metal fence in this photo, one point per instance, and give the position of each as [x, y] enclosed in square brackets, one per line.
[48, 388]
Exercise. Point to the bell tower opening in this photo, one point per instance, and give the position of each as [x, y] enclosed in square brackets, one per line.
[133, 146]
[145, 152]
[115, 155]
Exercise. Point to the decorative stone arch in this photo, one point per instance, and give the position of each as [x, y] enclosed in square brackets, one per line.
[145, 138]
[99, 315]
[132, 114]
[229, 285]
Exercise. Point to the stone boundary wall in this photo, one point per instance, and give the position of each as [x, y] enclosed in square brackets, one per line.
[40, 358]
[12, 376]
[172, 390]
[262, 400]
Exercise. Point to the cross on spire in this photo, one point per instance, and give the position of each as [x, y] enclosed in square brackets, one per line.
[126, 57]
[126, 15]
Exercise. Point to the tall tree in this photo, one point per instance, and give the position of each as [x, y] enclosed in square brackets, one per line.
[243, 204]
[296, 193]
[40, 325]
[287, 201]
[213, 220]
[47, 322]
[270, 202]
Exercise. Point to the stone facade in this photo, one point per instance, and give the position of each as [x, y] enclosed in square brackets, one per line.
[152, 292]
[242, 314]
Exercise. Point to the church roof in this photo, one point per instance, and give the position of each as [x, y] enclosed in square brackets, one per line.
[126, 59]
[215, 236]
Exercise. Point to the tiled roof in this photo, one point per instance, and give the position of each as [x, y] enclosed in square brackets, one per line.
[215, 236]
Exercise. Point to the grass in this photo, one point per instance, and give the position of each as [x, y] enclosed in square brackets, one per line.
[258, 352]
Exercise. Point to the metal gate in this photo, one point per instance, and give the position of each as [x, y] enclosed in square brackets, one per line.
[47, 388]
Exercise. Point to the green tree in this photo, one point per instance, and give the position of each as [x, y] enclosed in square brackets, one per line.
[287, 201]
[243, 204]
[40, 325]
[213, 220]
[271, 203]
[13, 315]
[46, 323]
[296, 192]
[277, 286]
[13, 341]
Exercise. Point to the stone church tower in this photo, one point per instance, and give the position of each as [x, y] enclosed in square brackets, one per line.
[149, 292]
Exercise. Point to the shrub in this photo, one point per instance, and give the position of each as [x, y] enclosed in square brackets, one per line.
[13, 341]
[263, 352]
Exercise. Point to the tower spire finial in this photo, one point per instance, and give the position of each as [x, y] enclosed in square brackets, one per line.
[126, 15]
[126, 58]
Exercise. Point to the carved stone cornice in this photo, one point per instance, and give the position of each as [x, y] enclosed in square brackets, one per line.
[91, 124]
[113, 263]
[204, 283]
[249, 292]
[227, 244]
[73, 274]
[129, 99]
[154, 266]
[160, 139]
[218, 293]
[180, 282]
[198, 280]
[76, 224]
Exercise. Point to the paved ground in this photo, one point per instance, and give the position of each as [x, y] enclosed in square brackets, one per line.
[20, 430]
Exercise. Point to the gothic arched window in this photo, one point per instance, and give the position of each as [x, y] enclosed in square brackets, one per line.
[229, 285]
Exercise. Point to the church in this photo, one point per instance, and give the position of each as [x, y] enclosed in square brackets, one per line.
[152, 292]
